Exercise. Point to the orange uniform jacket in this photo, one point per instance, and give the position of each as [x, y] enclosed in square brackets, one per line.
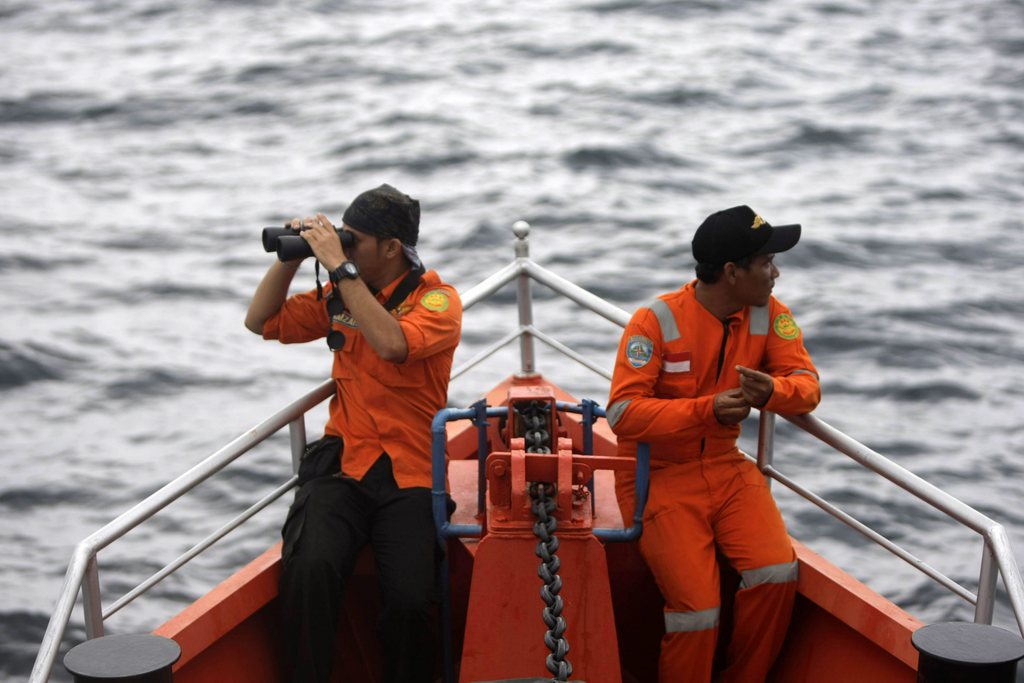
[381, 406]
[675, 356]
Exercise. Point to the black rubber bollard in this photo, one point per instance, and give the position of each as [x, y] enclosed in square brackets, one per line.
[133, 658]
[963, 652]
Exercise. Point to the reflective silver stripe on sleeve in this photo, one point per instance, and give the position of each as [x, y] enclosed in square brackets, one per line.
[773, 573]
[806, 372]
[758, 320]
[667, 321]
[685, 622]
[615, 411]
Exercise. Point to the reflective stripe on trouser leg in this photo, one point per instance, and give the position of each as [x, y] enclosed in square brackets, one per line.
[681, 622]
[774, 573]
[761, 615]
[688, 646]
[761, 620]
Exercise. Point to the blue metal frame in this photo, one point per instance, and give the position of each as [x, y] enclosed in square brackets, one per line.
[481, 423]
[439, 493]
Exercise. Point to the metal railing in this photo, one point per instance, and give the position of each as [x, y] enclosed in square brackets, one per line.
[996, 558]
[83, 570]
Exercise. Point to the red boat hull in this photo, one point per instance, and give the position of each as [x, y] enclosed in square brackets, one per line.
[841, 630]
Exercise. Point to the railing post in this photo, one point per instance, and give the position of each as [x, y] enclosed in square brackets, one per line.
[766, 443]
[525, 301]
[985, 608]
[91, 602]
[297, 437]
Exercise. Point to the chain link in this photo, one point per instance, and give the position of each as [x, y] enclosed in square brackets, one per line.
[544, 529]
[536, 434]
[538, 440]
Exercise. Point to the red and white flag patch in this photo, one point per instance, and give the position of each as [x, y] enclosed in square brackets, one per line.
[676, 362]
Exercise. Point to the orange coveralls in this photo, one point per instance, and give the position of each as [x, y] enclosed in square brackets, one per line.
[675, 356]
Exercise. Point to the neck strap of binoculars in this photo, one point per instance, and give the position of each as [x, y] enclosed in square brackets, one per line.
[406, 287]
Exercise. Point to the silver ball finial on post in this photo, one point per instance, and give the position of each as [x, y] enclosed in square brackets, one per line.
[521, 229]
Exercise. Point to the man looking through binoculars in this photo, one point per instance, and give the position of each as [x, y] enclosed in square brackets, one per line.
[392, 327]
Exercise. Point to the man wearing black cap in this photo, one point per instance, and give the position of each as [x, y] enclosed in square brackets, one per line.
[691, 365]
[393, 328]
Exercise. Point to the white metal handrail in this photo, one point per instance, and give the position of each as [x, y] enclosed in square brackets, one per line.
[83, 572]
[997, 556]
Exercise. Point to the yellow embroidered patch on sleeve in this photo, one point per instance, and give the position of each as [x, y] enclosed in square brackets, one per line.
[435, 300]
[786, 327]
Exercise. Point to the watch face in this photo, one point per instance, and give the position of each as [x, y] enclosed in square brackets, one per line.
[347, 270]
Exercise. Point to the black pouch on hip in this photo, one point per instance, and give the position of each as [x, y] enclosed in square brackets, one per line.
[322, 458]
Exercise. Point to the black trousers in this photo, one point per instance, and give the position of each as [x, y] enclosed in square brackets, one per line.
[332, 518]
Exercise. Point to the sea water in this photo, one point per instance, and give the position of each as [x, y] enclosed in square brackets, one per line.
[144, 144]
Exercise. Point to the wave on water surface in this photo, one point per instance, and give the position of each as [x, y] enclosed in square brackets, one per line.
[144, 145]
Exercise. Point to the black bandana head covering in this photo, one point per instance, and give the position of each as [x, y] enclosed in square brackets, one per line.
[385, 212]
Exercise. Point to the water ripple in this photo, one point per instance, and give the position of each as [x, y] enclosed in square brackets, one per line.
[21, 365]
[157, 382]
[910, 392]
[613, 157]
[128, 130]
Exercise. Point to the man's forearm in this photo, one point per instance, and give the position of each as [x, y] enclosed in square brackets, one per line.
[656, 419]
[270, 294]
[795, 394]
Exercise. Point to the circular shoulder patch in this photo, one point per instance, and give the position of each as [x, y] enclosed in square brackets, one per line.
[639, 351]
[786, 327]
[435, 300]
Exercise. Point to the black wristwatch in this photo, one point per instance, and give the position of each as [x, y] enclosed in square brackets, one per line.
[346, 271]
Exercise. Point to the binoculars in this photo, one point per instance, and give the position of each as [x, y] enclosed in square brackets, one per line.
[289, 246]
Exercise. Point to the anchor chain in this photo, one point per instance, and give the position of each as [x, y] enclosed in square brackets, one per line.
[544, 529]
[536, 435]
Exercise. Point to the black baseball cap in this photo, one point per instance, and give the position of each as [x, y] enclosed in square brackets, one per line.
[737, 233]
